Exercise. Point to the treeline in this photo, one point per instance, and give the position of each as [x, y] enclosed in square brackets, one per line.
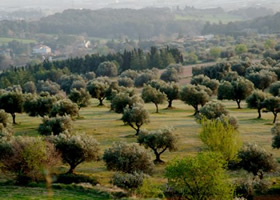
[135, 60]
[106, 23]
[265, 25]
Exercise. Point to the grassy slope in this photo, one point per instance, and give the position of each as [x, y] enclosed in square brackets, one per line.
[4, 40]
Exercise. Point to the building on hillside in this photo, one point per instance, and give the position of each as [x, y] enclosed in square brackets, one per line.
[41, 50]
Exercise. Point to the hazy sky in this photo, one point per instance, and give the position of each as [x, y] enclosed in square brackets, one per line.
[95, 4]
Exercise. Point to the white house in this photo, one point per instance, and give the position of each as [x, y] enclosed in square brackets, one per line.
[42, 50]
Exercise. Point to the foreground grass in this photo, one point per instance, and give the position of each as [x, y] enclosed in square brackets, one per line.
[40, 193]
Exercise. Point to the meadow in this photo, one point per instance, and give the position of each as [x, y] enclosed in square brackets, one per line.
[107, 128]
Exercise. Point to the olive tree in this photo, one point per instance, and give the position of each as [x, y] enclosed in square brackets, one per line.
[213, 84]
[194, 96]
[236, 90]
[48, 86]
[276, 135]
[38, 105]
[150, 94]
[256, 101]
[272, 104]
[29, 87]
[262, 79]
[12, 103]
[3, 118]
[158, 141]
[107, 69]
[123, 100]
[128, 158]
[172, 92]
[199, 177]
[76, 149]
[170, 75]
[213, 110]
[126, 82]
[256, 160]
[97, 90]
[80, 97]
[135, 117]
[65, 107]
[274, 88]
[55, 125]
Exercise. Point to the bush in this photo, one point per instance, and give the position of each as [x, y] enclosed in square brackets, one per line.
[213, 110]
[76, 149]
[29, 158]
[55, 125]
[128, 181]
[3, 118]
[128, 158]
[221, 138]
[150, 189]
[276, 132]
[75, 178]
[199, 177]
[170, 75]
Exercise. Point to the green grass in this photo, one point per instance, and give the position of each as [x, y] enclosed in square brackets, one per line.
[107, 128]
[40, 193]
[4, 40]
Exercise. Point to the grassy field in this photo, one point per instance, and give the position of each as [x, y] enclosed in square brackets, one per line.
[4, 40]
[107, 128]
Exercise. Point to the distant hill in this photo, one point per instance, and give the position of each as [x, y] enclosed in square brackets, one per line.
[264, 25]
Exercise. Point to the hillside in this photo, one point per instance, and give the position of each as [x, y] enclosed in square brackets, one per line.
[263, 25]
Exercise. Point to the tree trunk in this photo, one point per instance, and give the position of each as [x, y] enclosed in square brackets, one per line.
[238, 104]
[169, 104]
[14, 118]
[101, 102]
[196, 111]
[156, 108]
[137, 131]
[157, 160]
[260, 114]
[275, 117]
[72, 169]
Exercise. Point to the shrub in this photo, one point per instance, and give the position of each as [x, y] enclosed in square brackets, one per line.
[222, 138]
[55, 125]
[256, 160]
[76, 149]
[3, 118]
[170, 75]
[128, 158]
[149, 189]
[29, 87]
[213, 110]
[29, 158]
[80, 97]
[128, 181]
[199, 177]
[75, 178]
